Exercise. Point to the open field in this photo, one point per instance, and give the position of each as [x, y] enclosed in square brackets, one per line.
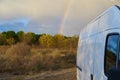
[21, 59]
[30, 56]
[64, 74]
[25, 62]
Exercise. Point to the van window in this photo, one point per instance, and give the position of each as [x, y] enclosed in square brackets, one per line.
[119, 59]
[111, 52]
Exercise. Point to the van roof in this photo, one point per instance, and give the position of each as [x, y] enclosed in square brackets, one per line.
[109, 19]
[111, 8]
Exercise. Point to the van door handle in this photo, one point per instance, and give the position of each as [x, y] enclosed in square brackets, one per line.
[91, 76]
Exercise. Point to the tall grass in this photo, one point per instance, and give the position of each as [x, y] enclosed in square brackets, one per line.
[23, 59]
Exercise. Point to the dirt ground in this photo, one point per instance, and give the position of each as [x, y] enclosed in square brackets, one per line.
[64, 74]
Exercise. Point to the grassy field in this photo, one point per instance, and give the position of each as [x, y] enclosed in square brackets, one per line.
[24, 62]
[63, 74]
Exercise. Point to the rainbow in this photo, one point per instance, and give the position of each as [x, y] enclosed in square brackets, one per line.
[66, 11]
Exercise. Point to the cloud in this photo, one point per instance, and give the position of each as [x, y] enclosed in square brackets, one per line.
[45, 16]
[84, 11]
[32, 8]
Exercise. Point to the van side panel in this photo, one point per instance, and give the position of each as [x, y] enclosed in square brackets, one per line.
[99, 57]
[85, 58]
[86, 51]
[80, 59]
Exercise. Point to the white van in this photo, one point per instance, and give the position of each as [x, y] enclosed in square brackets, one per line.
[98, 56]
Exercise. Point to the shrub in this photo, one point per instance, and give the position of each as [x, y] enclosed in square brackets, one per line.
[35, 62]
[18, 58]
[20, 49]
[2, 63]
[21, 59]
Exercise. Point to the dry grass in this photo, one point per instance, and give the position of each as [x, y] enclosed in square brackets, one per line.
[23, 59]
[36, 63]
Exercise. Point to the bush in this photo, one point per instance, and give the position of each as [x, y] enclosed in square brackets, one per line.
[21, 59]
[35, 63]
[20, 49]
[2, 63]
[18, 58]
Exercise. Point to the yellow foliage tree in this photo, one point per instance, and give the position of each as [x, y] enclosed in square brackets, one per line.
[46, 40]
[10, 41]
[59, 41]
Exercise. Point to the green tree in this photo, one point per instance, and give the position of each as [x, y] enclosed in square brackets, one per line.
[30, 38]
[8, 37]
[37, 38]
[10, 34]
[20, 35]
[2, 39]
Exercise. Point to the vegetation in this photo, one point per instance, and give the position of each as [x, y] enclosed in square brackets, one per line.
[27, 53]
[42, 40]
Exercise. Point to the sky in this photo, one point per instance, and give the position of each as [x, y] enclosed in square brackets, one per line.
[67, 17]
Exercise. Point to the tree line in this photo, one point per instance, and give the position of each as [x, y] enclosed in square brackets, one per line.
[42, 40]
